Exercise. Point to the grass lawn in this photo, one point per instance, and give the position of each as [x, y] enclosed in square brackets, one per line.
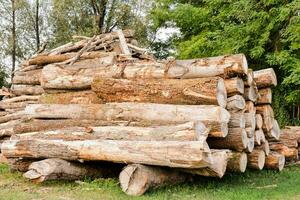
[251, 185]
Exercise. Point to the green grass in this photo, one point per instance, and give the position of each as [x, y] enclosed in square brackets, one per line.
[251, 185]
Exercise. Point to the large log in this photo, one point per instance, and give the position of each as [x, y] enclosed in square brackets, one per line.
[27, 90]
[251, 93]
[190, 131]
[214, 117]
[19, 164]
[136, 179]
[237, 162]
[236, 103]
[12, 117]
[265, 78]
[275, 161]
[234, 86]
[206, 91]
[267, 113]
[290, 154]
[21, 99]
[235, 140]
[78, 76]
[79, 97]
[265, 96]
[251, 144]
[15, 105]
[274, 132]
[7, 128]
[259, 121]
[27, 78]
[59, 169]
[237, 120]
[264, 147]
[250, 121]
[191, 154]
[256, 159]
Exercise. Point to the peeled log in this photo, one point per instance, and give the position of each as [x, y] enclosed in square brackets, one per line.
[217, 167]
[214, 117]
[289, 153]
[27, 78]
[190, 131]
[237, 120]
[234, 86]
[204, 91]
[259, 121]
[59, 169]
[80, 97]
[267, 113]
[235, 103]
[256, 159]
[136, 179]
[265, 78]
[15, 105]
[21, 99]
[251, 93]
[225, 66]
[27, 90]
[235, 140]
[19, 164]
[191, 154]
[265, 96]
[275, 161]
[237, 162]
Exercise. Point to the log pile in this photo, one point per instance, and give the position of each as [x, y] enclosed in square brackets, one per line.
[103, 99]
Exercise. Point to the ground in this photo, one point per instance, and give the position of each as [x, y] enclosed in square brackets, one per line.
[251, 185]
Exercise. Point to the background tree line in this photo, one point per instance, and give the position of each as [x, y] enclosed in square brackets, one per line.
[267, 31]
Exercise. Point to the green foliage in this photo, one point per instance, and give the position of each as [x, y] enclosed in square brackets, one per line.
[267, 32]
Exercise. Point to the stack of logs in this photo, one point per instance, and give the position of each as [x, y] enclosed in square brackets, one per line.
[74, 111]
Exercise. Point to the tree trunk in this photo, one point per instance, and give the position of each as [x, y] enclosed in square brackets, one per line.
[265, 96]
[27, 78]
[21, 99]
[27, 90]
[14, 38]
[136, 179]
[251, 93]
[234, 86]
[16, 105]
[13, 116]
[235, 140]
[268, 116]
[265, 78]
[237, 162]
[19, 164]
[256, 159]
[59, 169]
[190, 131]
[7, 129]
[291, 154]
[78, 97]
[213, 117]
[205, 91]
[236, 103]
[237, 120]
[259, 121]
[191, 154]
[37, 27]
[275, 161]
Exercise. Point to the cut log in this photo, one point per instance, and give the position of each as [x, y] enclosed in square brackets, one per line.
[290, 154]
[249, 78]
[251, 93]
[123, 44]
[136, 179]
[214, 117]
[27, 78]
[21, 99]
[234, 86]
[275, 161]
[59, 169]
[217, 168]
[235, 140]
[265, 96]
[80, 97]
[237, 162]
[251, 144]
[264, 147]
[27, 90]
[225, 66]
[250, 121]
[259, 121]
[236, 103]
[289, 138]
[78, 76]
[15, 105]
[265, 78]
[258, 134]
[11, 117]
[275, 132]
[250, 108]
[19, 164]
[205, 91]
[190, 131]
[267, 113]
[237, 120]
[191, 154]
[250, 132]
[256, 159]
[7, 129]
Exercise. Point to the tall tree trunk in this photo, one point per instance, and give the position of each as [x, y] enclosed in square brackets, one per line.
[102, 13]
[14, 43]
[37, 27]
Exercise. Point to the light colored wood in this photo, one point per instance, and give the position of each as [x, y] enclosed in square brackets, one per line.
[136, 179]
[214, 117]
[250, 132]
[251, 144]
[13, 116]
[204, 91]
[251, 93]
[27, 90]
[249, 78]
[7, 128]
[15, 105]
[235, 140]
[191, 154]
[19, 164]
[267, 113]
[21, 99]
[59, 169]
[78, 97]
[27, 78]
[291, 154]
[259, 121]
[265, 78]
[236, 103]
[275, 161]
[234, 86]
[264, 147]
[250, 108]
[237, 120]
[250, 121]
[265, 96]
[123, 44]
[258, 134]
[237, 162]
[256, 159]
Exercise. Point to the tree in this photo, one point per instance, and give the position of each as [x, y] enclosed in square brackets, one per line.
[266, 31]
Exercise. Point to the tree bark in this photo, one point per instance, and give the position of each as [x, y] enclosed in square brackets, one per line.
[234, 86]
[291, 154]
[249, 78]
[136, 179]
[251, 93]
[237, 120]
[204, 91]
[265, 78]
[191, 154]
[78, 97]
[259, 121]
[237, 162]
[21, 99]
[19, 164]
[275, 161]
[250, 108]
[236, 103]
[37, 27]
[27, 90]
[265, 96]
[27, 78]
[14, 38]
[256, 159]
[213, 117]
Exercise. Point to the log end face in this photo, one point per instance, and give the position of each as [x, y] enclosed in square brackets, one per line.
[221, 93]
[261, 160]
[243, 162]
[250, 145]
